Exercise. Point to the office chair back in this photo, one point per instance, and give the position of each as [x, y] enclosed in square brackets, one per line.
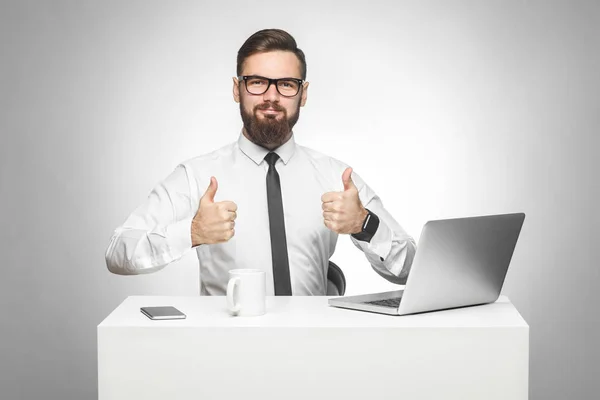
[336, 281]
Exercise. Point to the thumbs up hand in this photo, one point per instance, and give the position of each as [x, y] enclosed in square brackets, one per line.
[342, 211]
[213, 222]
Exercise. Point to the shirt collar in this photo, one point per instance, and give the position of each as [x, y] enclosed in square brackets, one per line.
[257, 153]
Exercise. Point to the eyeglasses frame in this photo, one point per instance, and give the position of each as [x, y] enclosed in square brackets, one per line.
[271, 81]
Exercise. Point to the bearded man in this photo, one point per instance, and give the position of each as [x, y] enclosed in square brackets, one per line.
[262, 202]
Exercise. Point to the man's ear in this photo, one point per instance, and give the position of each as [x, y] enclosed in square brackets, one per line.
[304, 94]
[236, 90]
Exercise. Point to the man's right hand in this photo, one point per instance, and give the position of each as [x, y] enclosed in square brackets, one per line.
[213, 222]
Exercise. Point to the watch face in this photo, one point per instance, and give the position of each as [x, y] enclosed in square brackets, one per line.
[372, 223]
[369, 227]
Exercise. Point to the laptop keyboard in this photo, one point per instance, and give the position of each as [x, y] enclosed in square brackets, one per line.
[394, 302]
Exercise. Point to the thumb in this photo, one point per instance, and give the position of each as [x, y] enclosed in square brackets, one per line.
[347, 179]
[209, 195]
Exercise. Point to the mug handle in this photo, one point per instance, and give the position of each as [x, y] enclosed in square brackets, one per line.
[233, 306]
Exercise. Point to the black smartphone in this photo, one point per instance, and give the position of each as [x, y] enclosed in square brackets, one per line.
[162, 312]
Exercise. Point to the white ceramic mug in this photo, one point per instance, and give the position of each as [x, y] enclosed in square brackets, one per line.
[246, 292]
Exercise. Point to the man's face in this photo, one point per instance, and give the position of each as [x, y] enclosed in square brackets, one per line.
[269, 117]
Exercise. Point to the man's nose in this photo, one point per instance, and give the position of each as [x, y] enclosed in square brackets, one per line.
[271, 94]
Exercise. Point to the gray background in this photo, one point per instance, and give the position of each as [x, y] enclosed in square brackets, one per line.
[445, 108]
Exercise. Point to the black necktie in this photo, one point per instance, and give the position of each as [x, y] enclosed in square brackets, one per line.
[281, 265]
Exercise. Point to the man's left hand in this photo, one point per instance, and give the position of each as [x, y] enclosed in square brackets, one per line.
[342, 211]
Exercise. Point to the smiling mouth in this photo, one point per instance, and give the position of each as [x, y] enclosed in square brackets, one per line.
[270, 112]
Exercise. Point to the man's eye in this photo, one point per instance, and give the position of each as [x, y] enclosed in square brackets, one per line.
[256, 82]
[288, 84]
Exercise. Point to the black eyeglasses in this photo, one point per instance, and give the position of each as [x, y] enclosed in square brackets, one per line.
[287, 87]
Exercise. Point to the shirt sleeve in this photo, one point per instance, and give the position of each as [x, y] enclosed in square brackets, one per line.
[391, 250]
[158, 232]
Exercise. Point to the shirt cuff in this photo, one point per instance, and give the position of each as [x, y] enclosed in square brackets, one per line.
[179, 238]
[380, 244]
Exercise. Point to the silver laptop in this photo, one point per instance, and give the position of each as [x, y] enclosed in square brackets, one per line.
[459, 262]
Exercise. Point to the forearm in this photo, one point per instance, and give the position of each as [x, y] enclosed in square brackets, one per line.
[134, 251]
[395, 267]
[390, 252]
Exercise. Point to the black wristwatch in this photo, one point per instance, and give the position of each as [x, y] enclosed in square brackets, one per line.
[369, 227]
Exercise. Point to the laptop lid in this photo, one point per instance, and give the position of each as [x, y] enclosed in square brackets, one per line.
[461, 262]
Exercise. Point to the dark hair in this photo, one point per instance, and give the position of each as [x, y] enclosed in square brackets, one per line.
[270, 40]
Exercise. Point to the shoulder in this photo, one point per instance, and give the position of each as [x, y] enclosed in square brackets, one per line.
[328, 168]
[211, 158]
[199, 169]
[322, 161]
[331, 167]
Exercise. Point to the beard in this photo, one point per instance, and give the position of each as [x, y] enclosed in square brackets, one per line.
[271, 130]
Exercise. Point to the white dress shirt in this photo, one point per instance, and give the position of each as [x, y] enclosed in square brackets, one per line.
[158, 232]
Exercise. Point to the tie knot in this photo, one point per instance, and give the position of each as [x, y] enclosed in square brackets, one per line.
[271, 158]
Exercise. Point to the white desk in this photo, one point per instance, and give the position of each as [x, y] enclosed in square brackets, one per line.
[304, 349]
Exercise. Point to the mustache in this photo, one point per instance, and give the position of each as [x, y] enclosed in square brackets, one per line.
[265, 106]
